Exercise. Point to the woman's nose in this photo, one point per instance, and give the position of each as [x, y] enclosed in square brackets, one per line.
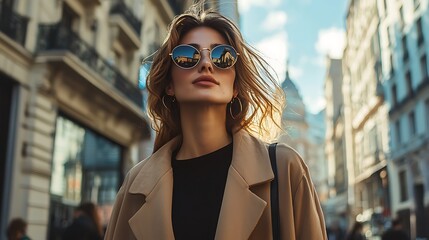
[205, 62]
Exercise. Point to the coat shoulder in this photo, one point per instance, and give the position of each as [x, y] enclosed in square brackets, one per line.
[287, 155]
[290, 165]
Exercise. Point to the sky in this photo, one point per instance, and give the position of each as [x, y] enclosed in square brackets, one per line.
[302, 32]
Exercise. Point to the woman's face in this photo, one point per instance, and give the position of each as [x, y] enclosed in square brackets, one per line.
[205, 83]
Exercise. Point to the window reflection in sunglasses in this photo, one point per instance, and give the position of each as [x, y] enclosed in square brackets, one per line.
[187, 56]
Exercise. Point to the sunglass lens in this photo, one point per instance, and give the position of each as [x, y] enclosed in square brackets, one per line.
[185, 56]
[224, 56]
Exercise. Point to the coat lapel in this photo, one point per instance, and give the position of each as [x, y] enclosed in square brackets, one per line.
[241, 208]
[155, 181]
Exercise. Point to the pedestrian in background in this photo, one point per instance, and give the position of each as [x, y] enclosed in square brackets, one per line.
[356, 232]
[335, 232]
[396, 232]
[17, 230]
[209, 176]
[85, 225]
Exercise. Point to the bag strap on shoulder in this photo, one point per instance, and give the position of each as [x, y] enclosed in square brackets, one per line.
[275, 218]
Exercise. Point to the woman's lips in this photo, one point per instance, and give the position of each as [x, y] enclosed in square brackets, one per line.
[205, 80]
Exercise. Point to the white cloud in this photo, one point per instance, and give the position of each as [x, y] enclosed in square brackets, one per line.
[274, 48]
[331, 42]
[275, 20]
[295, 72]
[245, 5]
[315, 104]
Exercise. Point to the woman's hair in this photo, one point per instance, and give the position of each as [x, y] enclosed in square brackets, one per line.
[17, 227]
[90, 209]
[261, 97]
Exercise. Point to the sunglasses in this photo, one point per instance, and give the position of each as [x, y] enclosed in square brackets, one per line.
[187, 56]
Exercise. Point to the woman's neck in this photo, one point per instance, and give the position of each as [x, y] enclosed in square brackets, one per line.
[203, 130]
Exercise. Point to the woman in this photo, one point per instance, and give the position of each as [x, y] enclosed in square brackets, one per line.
[208, 177]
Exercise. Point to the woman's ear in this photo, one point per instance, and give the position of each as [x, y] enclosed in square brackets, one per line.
[169, 90]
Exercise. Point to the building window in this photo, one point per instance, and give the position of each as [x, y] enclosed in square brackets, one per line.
[385, 6]
[373, 142]
[424, 68]
[416, 4]
[420, 38]
[401, 15]
[409, 83]
[389, 37]
[427, 114]
[404, 48]
[398, 131]
[412, 121]
[403, 186]
[86, 167]
[394, 96]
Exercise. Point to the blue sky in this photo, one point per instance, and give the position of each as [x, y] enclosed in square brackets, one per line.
[302, 31]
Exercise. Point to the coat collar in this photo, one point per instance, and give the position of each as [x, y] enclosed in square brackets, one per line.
[241, 209]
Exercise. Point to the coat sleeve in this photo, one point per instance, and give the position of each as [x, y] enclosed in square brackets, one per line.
[301, 215]
[309, 221]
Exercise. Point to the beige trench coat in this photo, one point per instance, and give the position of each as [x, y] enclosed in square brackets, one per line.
[143, 205]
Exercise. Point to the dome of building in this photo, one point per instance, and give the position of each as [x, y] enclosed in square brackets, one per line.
[295, 108]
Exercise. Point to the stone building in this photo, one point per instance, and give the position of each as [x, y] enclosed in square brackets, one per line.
[72, 116]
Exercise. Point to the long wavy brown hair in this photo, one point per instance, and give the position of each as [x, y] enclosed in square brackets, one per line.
[260, 94]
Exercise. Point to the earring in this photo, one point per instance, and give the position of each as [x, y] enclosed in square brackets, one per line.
[163, 101]
[230, 107]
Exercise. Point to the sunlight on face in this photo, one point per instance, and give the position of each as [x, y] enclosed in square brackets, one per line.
[205, 83]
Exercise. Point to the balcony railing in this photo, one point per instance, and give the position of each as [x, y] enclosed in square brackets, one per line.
[13, 25]
[58, 37]
[122, 9]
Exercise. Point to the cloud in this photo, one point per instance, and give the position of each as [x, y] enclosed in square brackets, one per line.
[275, 20]
[274, 48]
[315, 104]
[245, 5]
[295, 71]
[331, 42]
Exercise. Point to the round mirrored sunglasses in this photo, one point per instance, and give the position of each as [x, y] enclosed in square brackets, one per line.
[187, 56]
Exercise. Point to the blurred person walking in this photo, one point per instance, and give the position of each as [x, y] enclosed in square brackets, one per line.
[396, 232]
[356, 232]
[17, 230]
[335, 232]
[86, 224]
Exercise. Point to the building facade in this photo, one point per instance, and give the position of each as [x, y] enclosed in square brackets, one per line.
[304, 132]
[366, 114]
[338, 205]
[404, 39]
[73, 118]
[294, 119]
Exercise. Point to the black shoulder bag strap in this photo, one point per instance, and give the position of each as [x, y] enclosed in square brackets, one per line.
[275, 218]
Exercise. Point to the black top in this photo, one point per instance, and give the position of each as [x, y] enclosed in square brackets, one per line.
[198, 186]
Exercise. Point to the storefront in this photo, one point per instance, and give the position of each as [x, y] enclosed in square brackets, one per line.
[6, 98]
[85, 168]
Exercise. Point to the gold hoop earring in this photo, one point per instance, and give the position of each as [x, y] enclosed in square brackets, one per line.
[230, 107]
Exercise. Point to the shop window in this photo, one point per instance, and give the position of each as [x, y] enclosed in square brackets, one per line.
[403, 186]
[86, 167]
